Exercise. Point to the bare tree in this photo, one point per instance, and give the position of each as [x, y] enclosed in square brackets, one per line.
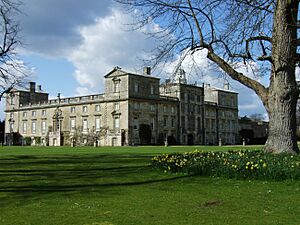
[234, 32]
[12, 70]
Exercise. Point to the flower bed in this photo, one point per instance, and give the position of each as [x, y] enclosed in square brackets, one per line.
[232, 164]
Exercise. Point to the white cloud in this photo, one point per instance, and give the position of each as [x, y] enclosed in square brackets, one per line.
[107, 44]
[200, 69]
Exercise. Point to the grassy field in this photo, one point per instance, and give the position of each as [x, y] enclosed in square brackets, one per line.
[105, 186]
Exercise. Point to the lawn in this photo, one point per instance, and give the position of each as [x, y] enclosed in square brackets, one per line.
[105, 186]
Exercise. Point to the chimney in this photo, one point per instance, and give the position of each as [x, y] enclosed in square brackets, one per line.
[147, 71]
[39, 88]
[207, 85]
[32, 87]
[226, 86]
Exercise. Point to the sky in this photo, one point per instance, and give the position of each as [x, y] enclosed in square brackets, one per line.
[70, 45]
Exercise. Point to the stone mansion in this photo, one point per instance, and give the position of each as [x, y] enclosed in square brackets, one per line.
[135, 109]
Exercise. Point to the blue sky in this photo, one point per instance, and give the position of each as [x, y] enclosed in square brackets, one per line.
[71, 45]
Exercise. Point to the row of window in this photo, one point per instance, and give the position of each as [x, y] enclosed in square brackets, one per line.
[33, 126]
[190, 97]
[85, 125]
[116, 87]
[33, 113]
[72, 109]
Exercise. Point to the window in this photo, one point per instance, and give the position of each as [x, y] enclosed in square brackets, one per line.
[173, 122]
[152, 89]
[85, 124]
[136, 105]
[198, 109]
[11, 127]
[84, 109]
[12, 99]
[43, 112]
[182, 108]
[33, 113]
[33, 127]
[165, 121]
[12, 115]
[136, 87]
[43, 126]
[97, 108]
[182, 96]
[97, 124]
[192, 96]
[152, 123]
[172, 109]
[116, 105]
[183, 122]
[165, 108]
[116, 123]
[116, 86]
[24, 127]
[152, 107]
[199, 123]
[72, 123]
[73, 109]
[24, 114]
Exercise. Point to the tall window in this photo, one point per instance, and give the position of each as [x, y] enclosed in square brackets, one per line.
[153, 123]
[116, 86]
[24, 127]
[152, 89]
[12, 99]
[165, 121]
[12, 115]
[136, 105]
[173, 122]
[116, 123]
[72, 123]
[136, 87]
[152, 107]
[116, 105]
[97, 124]
[72, 109]
[165, 108]
[43, 126]
[84, 109]
[44, 112]
[33, 127]
[85, 124]
[97, 108]
[33, 113]
[24, 114]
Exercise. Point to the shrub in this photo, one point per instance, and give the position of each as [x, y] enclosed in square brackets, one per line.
[27, 141]
[232, 164]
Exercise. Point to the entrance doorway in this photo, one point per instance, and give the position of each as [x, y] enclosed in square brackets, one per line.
[190, 139]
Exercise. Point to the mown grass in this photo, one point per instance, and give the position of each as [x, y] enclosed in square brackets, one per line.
[106, 186]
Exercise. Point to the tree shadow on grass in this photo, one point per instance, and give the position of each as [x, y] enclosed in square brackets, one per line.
[35, 177]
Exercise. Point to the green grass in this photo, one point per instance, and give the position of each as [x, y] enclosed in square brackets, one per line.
[104, 186]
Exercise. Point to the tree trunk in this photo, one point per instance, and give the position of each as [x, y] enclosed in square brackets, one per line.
[282, 119]
[283, 90]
